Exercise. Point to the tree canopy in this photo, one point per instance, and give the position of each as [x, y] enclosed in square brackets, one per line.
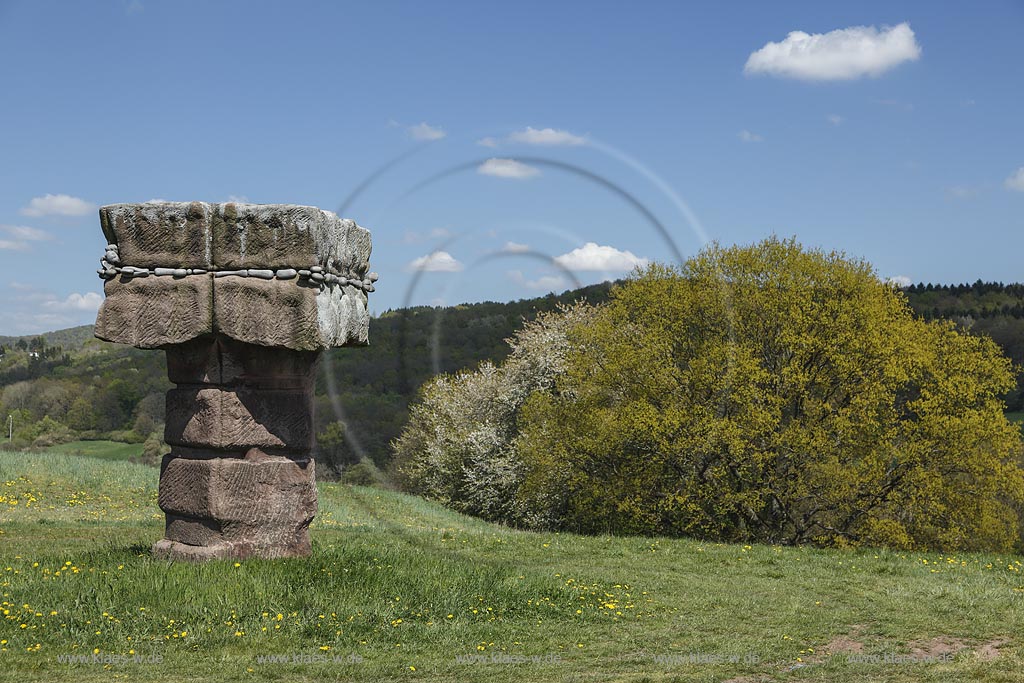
[777, 394]
[765, 393]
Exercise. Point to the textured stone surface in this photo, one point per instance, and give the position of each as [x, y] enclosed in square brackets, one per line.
[243, 298]
[226, 241]
[215, 359]
[233, 396]
[291, 314]
[239, 481]
[160, 234]
[239, 419]
[151, 312]
[237, 499]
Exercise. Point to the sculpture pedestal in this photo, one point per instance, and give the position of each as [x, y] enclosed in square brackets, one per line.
[243, 298]
[239, 481]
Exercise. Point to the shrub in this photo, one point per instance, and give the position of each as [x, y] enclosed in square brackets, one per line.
[776, 394]
[458, 446]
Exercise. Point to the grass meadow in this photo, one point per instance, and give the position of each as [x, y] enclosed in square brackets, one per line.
[105, 450]
[399, 588]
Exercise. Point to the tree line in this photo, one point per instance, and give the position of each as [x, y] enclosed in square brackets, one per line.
[82, 388]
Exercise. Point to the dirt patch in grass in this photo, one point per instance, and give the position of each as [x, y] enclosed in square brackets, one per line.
[939, 647]
[848, 643]
[948, 646]
[990, 650]
[844, 645]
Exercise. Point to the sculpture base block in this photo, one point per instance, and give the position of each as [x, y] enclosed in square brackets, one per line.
[229, 507]
[239, 480]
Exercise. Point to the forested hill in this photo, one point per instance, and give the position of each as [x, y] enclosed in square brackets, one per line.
[67, 385]
[71, 339]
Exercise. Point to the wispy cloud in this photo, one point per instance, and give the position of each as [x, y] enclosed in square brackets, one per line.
[747, 136]
[24, 233]
[547, 283]
[895, 104]
[57, 205]
[900, 280]
[1015, 181]
[436, 262]
[961, 192]
[592, 256]
[843, 54]
[415, 237]
[549, 137]
[507, 168]
[424, 131]
[515, 248]
[90, 301]
[834, 119]
[542, 137]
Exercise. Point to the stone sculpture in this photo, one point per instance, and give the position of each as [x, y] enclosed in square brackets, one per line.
[243, 298]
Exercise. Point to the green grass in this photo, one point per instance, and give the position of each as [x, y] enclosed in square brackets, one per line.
[106, 450]
[398, 588]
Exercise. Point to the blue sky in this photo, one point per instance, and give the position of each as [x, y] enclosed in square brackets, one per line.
[517, 148]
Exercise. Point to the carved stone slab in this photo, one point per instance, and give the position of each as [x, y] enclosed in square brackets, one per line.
[267, 274]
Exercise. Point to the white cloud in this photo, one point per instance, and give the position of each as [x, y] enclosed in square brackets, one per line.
[90, 301]
[747, 136]
[843, 54]
[515, 248]
[13, 245]
[156, 201]
[592, 256]
[900, 280]
[436, 262]
[834, 119]
[424, 131]
[1016, 180]
[25, 233]
[507, 168]
[547, 283]
[487, 142]
[58, 205]
[238, 199]
[546, 136]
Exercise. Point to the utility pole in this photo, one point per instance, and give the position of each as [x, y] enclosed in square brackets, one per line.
[10, 428]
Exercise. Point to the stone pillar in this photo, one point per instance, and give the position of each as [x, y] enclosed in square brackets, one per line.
[242, 298]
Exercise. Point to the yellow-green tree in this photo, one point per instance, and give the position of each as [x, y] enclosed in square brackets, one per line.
[777, 394]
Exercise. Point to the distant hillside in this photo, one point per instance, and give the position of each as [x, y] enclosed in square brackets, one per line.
[102, 390]
[92, 389]
[71, 339]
